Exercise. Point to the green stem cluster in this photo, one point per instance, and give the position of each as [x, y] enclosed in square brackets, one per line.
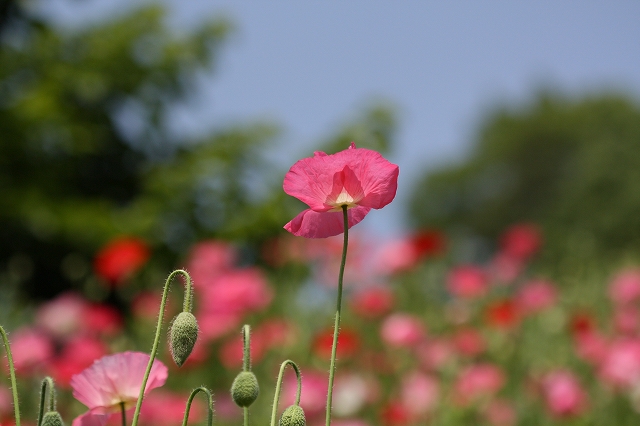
[276, 397]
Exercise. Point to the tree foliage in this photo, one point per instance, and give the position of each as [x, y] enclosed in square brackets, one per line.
[573, 166]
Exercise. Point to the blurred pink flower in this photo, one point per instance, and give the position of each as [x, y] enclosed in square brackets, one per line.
[467, 281]
[521, 241]
[314, 391]
[626, 319]
[500, 412]
[77, 354]
[419, 393]
[434, 354]
[164, 408]
[240, 291]
[31, 350]
[477, 382]
[372, 302]
[625, 287]
[535, 296]
[621, 364]
[356, 177]
[98, 318]
[120, 258]
[563, 394]
[113, 380]
[62, 316]
[405, 253]
[402, 330]
[591, 347]
[214, 325]
[208, 260]
[504, 269]
[468, 342]
[502, 314]
[6, 403]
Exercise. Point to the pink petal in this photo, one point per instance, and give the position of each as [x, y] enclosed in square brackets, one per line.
[311, 224]
[311, 180]
[116, 378]
[91, 419]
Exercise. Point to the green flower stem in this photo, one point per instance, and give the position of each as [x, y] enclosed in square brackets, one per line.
[246, 348]
[124, 414]
[187, 306]
[246, 363]
[209, 405]
[276, 397]
[12, 374]
[336, 326]
[48, 381]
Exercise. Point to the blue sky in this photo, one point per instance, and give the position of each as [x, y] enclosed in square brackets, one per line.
[312, 65]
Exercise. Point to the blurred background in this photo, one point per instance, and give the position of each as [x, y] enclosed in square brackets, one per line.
[137, 138]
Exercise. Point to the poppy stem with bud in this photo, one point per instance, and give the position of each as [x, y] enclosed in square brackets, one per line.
[187, 307]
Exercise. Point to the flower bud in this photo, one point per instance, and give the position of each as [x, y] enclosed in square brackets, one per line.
[182, 337]
[293, 416]
[52, 418]
[244, 389]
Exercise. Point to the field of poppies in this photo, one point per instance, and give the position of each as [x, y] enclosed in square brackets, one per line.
[426, 336]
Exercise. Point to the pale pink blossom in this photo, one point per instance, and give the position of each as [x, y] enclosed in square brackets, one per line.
[208, 260]
[358, 178]
[62, 316]
[625, 287]
[419, 393]
[31, 350]
[535, 296]
[6, 402]
[77, 354]
[592, 347]
[111, 381]
[351, 393]
[478, 382]
[626, 319]
[467, 281]
[435, 354]
[620, 365]
[163, 408]
[396, 256]
[563, 394]
[504, 269]
[500, 412]
[240, 291]
[468, 342]
[401, 329]
[314, 391]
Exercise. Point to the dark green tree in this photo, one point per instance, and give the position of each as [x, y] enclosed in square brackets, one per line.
[570, 165]
[86, 151]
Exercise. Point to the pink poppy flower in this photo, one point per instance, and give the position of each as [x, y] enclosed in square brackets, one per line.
[625, 287]
[563, 394]
[521, 241]
[467, 281]
[419, 393]
[112, 380]
[358, 178]
[402, 330]
[536, 296]
[478, 382]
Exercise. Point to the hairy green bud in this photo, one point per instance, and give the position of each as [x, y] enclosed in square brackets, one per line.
[182, 337]
[52, 418]
[244, 389]
[293, 416]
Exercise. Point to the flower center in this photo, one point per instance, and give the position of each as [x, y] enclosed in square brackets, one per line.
[343, 199]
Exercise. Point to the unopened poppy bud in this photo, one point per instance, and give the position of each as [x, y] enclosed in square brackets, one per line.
[52, 418]
[293, 416]
[182, 337]
[244, 389]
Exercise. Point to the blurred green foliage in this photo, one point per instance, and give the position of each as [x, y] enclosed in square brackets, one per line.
[570, 165]
[87, 153]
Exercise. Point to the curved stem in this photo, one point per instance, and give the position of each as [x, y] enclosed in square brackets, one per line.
[48, 381]
[12, 374]
[246, 353]
[187, 306]
[336, 326]
[276, 397]
[209, 405]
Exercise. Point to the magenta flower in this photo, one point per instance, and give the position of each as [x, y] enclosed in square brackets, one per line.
[111, 381]
[358, 178]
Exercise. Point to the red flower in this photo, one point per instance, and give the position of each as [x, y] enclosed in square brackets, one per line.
[502, 314]
[521, 241]
[348, 343]
[358, 178]
[120, 258]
